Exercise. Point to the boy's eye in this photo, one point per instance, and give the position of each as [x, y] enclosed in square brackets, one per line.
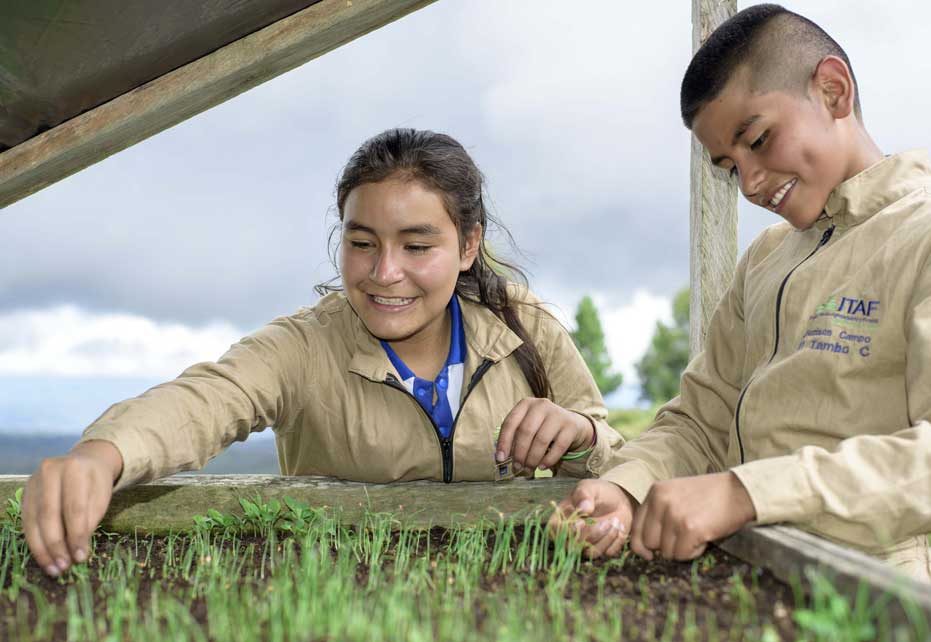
[418, 249]
[755, 145]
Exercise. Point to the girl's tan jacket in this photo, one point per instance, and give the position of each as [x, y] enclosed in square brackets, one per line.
[815, 383]
[332, 396]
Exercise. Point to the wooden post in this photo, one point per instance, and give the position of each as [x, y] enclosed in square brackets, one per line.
[189, 90]
[713, 207]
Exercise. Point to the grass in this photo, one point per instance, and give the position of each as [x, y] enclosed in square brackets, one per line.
[288, 572]
[630, 422]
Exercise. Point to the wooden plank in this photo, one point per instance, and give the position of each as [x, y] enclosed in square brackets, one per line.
[171, 503]
[189, 90]
[788, 551]
[713, 205]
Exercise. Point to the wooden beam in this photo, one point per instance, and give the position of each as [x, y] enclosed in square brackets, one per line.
[189, 90]
[713, 207]
[789, 552]
[171, 503]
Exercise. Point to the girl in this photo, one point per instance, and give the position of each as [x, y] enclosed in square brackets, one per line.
[402, 373]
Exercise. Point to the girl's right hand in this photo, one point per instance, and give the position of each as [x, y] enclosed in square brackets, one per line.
[64, 501]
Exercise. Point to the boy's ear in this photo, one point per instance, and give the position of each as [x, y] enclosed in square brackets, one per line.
[471, 245]
[833, 84]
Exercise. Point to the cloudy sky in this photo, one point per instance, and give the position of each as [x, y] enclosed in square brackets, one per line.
[164, 254]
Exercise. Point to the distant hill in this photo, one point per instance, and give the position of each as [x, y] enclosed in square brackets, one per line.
[20, 455]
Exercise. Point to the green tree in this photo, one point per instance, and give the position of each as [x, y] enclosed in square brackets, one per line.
[662, 365]
[590, 340]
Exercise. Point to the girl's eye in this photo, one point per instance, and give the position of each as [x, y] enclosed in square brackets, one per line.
[418, 249]
[360, 245]
[755, 145]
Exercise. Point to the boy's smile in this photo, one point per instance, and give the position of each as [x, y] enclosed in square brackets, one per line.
[788, 151]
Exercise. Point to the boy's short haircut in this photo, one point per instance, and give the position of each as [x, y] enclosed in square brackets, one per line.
[781, 50]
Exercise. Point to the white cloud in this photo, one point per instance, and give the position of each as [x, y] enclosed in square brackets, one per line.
[629, 327]
[68, 341]
[628, 323]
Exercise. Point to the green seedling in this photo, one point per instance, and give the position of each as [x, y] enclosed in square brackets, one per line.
[14, 509]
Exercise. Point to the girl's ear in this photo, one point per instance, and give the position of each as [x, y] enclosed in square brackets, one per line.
[835, 84]
[472, 244]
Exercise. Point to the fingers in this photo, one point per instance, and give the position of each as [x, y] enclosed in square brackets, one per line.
[536, 433]
[63, 502]
[549, 444]
[509, 427]
[612, 536]
[636, 531]
[526, 432]
[48, 519]
[75, 503]
[572, 511]
[668, 536]
[559, 444]
[31, 528]
[584, 497]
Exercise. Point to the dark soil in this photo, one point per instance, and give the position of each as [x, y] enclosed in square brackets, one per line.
[646, 592]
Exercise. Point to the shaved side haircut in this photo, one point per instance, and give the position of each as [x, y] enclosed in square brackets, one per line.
[779, 49]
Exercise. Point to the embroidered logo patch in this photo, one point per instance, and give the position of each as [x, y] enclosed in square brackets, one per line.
[856, 318]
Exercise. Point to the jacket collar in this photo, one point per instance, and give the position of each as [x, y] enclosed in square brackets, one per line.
[875, 188]
[487, 336]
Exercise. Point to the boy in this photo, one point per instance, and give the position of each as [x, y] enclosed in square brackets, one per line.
[811, 401]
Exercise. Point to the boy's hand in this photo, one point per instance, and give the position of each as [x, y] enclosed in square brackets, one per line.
[600, 513]
[537, 432]
[680, 516]
[64, 501]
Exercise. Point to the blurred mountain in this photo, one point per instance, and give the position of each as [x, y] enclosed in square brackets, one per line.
[21, 454]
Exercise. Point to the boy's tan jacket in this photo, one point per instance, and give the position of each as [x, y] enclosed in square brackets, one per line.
[323, 383]
[815, 383]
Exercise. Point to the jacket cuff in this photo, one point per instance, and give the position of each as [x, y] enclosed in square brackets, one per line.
[779, 489]
[634, 477]
[136, 464]
[593, 464]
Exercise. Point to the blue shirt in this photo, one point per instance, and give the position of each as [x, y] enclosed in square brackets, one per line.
[448, 383]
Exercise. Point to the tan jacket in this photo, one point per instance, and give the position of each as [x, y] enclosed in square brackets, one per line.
[815, 383]
[324, 384]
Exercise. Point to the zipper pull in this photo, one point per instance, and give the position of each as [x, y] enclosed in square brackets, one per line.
[826, 236]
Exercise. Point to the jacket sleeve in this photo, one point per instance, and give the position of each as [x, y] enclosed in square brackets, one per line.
[574, 389]
[872, 487]
[690, 433]
[182, 424]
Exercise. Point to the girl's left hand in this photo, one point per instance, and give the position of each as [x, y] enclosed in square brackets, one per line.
[537, 432]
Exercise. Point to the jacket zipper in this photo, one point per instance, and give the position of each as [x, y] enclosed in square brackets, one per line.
[824, 240]
[446, 443]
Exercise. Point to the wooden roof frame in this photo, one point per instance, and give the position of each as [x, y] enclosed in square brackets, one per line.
[189, 90]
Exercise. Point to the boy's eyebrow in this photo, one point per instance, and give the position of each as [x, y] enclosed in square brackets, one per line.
[743, 127]
[741, 130]
[423, 229]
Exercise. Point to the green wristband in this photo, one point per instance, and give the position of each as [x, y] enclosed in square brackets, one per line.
[578, 455]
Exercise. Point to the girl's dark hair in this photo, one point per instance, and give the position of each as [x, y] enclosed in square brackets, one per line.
[441, 164]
